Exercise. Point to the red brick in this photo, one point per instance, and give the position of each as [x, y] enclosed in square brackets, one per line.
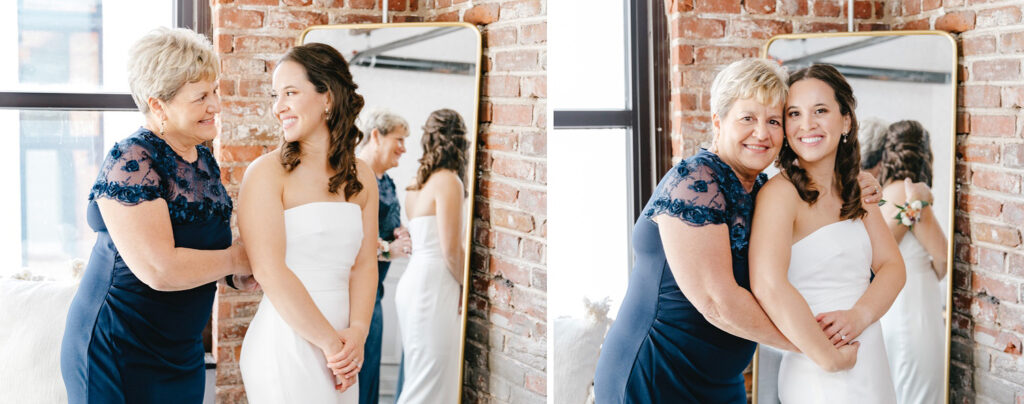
[996, 70]
[514, 10]
[952, 3]
[533, 144]
[911, 7]
[979, 45]
[232, 65]
[482, 14]
[980, 153]
[873, 27]
[510, 271]
[507, 244]
[513, 168]
[1005, 291]
[225, 87]
[534, 87]
[694, 27]
[823, 27]
[993, 125]
[499, 191]
[1013, 157]
[501, 86]
[757, 29]
[254, 88]
[262, 44]
[679, 6]
[536, 383]
[963, 122]
[1012, 42]
[236, 18]
[684, 102]
[500, 36]
[298, 2]
[363, 4]
[996, 234]
[998, 17]
[721, 55]
[927, 5]
[295, 19]
[399, 5]
[1016, 268]
[792, 7]
[828, 8]
[534, 34]
[919, 24]
[996, 181]
[517, 60]
[511, 219]
[243, 110]
[233, 330]
[499, 141]
[991, 260]
[513, 115]
[258, 2]
[682, 55]
[223, 43]
[242, 154]
[760, 6]
[979, 204]
[442, 3]
[981, 96]
[880, 9]
[718, 6]
[353, 18]
[983, 310]
[534, 252]
[533, 201]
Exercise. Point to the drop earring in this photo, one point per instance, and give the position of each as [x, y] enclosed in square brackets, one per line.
[163, 126]
[844, 138]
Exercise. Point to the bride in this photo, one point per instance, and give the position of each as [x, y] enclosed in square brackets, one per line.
[308, 214]
[428, 295]
[813, 249]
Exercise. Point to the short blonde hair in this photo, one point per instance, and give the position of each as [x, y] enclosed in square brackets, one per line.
[165, 59]
[761, 79]
[383, 120]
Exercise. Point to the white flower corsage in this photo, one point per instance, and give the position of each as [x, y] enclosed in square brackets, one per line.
[910, 213]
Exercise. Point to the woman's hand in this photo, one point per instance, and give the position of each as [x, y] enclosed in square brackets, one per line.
[347, 362]
[847, 357]
[401, 247]
[870, 189]
[917, 191]
[843, 326]
[240, 259]
[245, 282]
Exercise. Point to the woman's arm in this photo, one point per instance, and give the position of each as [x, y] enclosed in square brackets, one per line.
[261, 222]
[701, 262]
[933, 239]
[449, 203]
[770, 246]
[927, 230]
[144, 239]
[362, 284]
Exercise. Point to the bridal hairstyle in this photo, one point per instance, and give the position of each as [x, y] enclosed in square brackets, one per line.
[444, 146]
[847, 155]
[908, 153]
[329, 73]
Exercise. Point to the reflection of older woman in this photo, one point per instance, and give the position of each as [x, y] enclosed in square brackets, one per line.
[871, 135]
[685, 330]
[383, 144]
[161, 216]
[688, 324]
[914, 328]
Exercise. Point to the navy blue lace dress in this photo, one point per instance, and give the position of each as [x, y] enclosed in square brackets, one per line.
[124, 341]
[389, 218]
[660, 349]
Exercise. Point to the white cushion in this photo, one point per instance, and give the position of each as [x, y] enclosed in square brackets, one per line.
[32, 315]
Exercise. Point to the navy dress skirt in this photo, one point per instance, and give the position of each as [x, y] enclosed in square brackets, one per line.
[125, 342]
[389, 218]
[660, 349]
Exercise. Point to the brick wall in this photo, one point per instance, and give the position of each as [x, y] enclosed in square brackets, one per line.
[988, 276]
[506, 339]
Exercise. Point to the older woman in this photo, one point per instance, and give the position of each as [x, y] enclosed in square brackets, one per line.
[382, 146]
[161, 216]
[689, 324]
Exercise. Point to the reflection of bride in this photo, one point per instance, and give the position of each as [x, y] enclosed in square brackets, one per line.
[428, 294]
[825, 274]
[914, 328]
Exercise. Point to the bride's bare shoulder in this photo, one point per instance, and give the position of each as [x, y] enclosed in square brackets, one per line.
[778, 188]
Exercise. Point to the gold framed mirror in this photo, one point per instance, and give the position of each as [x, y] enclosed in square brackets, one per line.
[898, 77]
[411, 72]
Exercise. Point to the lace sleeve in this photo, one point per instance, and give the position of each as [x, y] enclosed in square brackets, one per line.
[128, 175]
[690, 192]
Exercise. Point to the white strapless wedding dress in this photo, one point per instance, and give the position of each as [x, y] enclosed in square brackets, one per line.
[427, 300]
[915, 330]
[278, 365]
[831, 268]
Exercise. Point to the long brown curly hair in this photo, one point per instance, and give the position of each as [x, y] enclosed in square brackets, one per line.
[907, 153]
[444, 146]
[329, 73]
[847, 156]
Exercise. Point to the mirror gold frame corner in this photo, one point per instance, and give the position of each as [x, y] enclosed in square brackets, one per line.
[952, 180]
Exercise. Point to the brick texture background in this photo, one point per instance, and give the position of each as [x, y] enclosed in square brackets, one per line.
[506, 340]
[988, 276]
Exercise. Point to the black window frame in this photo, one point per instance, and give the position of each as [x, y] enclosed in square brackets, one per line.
[645, 116]
[192, 14]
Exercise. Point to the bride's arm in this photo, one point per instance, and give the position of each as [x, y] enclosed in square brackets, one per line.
[449, 221]
[261, 223]
[362, 284]
[770, 246]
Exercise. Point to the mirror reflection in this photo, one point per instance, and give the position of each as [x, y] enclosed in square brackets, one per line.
[420, 83]
[904, 87]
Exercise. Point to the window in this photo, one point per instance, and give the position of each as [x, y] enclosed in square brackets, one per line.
[64, 101]
[610, 117]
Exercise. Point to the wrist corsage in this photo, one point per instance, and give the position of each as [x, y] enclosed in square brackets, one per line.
[384, 251]
[910, 213]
